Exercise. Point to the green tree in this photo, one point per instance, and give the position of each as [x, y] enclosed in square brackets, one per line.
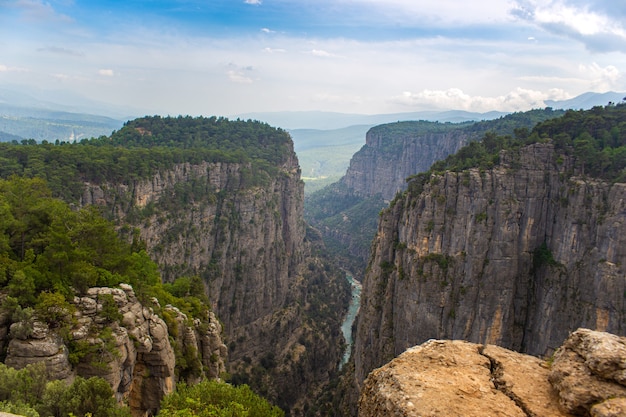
[216, 399]
[92, 397]
[54, 309]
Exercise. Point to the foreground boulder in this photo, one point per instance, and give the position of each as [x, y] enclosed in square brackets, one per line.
[589, 373]
[457, 378]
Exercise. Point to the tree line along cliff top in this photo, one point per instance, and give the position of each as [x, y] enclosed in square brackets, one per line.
[596, 138]
[145, 146]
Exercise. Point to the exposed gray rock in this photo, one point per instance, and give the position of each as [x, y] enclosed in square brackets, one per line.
[373, 171]
[454, 260]
[135, 356]
[47, 347]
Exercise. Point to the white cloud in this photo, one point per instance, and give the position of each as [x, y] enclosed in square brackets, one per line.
[267, 30]
[255, 2]
[239, 77]
[61, 77]
[274, 50]
[595, 27]
[5, 68]
[454, 98]
[106, 72]
[319, 52]
[601, 79]
[323, 53]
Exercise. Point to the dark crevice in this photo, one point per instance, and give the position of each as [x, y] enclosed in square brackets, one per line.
[496, 377]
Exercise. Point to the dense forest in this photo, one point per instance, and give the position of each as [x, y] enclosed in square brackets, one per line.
[143, 147]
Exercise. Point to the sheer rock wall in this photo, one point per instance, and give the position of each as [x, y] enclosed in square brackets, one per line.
[517, 256]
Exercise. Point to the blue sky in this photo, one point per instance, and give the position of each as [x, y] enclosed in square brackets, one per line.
[358, 56]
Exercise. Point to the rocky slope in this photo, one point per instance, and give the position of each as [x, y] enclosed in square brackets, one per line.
[458, 378]
[135, 355]
[517, 256]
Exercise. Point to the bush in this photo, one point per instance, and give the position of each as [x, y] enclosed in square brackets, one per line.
[216, 399]
[92, 397]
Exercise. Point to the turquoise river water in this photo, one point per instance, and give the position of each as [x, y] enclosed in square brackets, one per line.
[346, 327]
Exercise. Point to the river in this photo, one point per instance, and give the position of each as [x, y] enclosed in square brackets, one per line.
[346, 327]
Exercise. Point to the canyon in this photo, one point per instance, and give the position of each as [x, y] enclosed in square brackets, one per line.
[515, 249]
[280, 306]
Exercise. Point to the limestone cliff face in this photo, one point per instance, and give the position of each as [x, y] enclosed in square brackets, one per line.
[384, 163]
[244, 241]
[517, 256]
[458, 378]
[244, 234]
[134, 355]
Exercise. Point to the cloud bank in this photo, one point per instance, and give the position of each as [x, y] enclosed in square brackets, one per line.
[356, 56]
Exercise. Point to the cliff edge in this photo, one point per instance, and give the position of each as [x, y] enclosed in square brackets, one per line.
[518, 255]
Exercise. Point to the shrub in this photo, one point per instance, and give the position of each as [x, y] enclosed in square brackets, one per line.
[216, 399]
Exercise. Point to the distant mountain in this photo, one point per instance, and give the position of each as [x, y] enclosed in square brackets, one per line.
[62, 101]
[587, 100]
[56, 115]
[324, 155]
[332, 120]
[22, 116]
[18, 123]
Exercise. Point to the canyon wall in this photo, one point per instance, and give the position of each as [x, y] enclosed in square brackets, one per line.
[346, 212]
[518, 256]
[244, 234]
[383, 164]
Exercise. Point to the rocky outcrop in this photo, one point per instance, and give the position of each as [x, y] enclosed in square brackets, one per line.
[457, 378]
[41, 346]
[518, 256]
[132, 351]
[589, 373]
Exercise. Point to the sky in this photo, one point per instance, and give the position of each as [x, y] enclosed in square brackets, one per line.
[226, 57]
